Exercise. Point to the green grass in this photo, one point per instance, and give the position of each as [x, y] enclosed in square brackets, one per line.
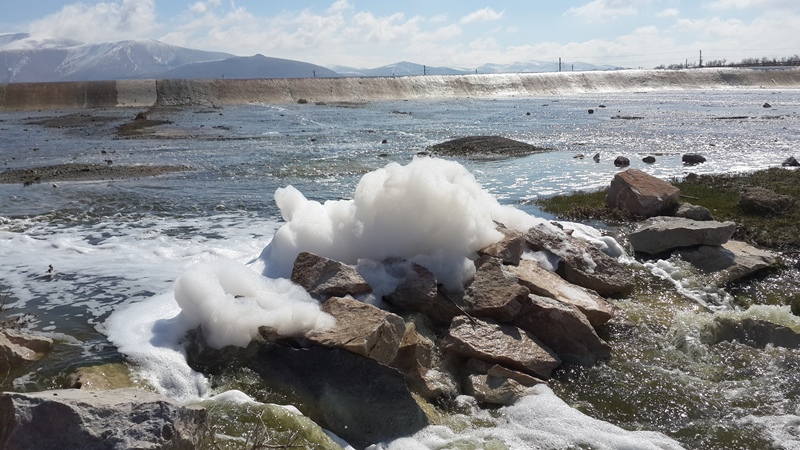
[719, 193]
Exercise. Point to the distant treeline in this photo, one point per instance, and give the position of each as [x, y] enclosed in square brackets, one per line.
[746, 62]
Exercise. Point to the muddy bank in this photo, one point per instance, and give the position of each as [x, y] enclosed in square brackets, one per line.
[84, 172]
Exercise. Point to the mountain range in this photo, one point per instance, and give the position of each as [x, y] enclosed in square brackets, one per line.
[41, 58]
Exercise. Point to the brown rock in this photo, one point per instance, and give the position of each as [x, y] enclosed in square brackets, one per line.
[18, 348]
[419, 292]
[541, 281]
[102, 377]
[492, 293]
[494, 390]
[564, 329]
[321, 276]
[764, 202]
[506, 345]
[509, 249]
[581, 263]
[361, 329]
[642, 194]
[733, 260]
[415, 358]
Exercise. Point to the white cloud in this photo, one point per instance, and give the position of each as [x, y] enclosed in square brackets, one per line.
[481, 15]
[597, 10]
[104, 21]
[670, 12]
[733, 4]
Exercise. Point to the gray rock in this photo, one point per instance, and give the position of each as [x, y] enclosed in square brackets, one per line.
[733, 260]
[505, 345]
[764, 202]
[322, 277]
[564, 329]
[642, 194]
[361, 329]
[494, 390]
[17, 349]
[419, 292]
[649, 159]
[115, 419]
[416, 359]
[694, 212]
[691, 159]
[753, 332]
[580, 262]
[622, 161]
[509, 249]
[492, 293]
[791, 162]
[359, 399]
[661, 234]
[541, 281]
[488, 147]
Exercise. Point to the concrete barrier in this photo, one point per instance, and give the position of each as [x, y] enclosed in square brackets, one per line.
[145, 93]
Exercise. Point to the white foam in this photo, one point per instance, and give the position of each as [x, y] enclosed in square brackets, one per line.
[431, 211]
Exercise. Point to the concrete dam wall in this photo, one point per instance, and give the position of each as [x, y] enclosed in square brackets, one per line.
[146, 93]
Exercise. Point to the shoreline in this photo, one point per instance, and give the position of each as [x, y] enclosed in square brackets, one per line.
[84, 172]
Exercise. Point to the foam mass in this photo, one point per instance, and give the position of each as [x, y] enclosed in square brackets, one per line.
[431, 211]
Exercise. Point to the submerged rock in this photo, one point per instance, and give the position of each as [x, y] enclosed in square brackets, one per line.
[753, 332]
[661, 234]
[18, 348]
[116, 419]
[642, 194]
[486, 147]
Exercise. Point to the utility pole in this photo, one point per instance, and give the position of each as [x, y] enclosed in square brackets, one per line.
[559, 64]
[424, 70]
[701, 58]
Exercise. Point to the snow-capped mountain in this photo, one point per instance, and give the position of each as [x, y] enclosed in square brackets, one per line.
[399, 69]
[542, 66]
[407, 68]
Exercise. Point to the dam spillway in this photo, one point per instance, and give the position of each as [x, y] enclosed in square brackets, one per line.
[220, 92]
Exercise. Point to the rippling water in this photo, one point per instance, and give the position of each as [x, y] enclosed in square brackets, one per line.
[119, 242]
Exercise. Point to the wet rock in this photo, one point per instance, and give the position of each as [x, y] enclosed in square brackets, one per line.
[591, 111]
[661, 234]
[486, 147]
[766, 105]
[649, 159]
[419, 292]
[116, 419]
[323, 277]
[492, 293]
[580, 262]
[505, 345]
[17, 349]
[509, 249]
[642, 194]
[596, 157]
[791, 162]
[564, 329]
[753, 332]
[733, 260]
[622, 161]
[359, 399]
[494, 390]
[764, 202]
[694, 212]
[101, 377]
[416, 359]
[691, 159]
[541, 281]
[361, 329]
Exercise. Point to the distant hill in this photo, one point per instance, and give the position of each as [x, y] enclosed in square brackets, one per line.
[399, 69]
[408, 68]
[258, 66]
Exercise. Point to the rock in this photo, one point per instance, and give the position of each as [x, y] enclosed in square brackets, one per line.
[764, 202]
[486, 147]
[581, 263]
[419, 292]
[494, 390]
[791, 162]
[541, 281]
[694, 212]
[661, 234]
[596, 157]
[359, 399]
[101, 377]
[734, 259]
[509, 249]
[642, 194]
[691, 159]
[492, 293]
[753, 332]
[767, 105]
[415, 359]
[116, 419]
[564, 329]
[591, 111]
[361, 329]
[649, 159]
[18, 348]
[321, 276]
[622, 161]
[506, 345]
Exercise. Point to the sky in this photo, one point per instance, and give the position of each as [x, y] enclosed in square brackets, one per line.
[462, 34]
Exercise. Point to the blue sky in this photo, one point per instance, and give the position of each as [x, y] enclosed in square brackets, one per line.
[464, 33]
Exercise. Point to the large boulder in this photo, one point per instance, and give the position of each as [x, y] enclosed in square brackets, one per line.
[644, 195]
[362, 329]
[492, 293]
[764, 202]
[564, 329]
[18, 348]
[505, 345]
[115, 419]
[691, 159]
[359, 399]
[323, 277]
[541, 281]
[732, 260]
[485, 147]
[661, 234]
[580, 262]
[419, 292]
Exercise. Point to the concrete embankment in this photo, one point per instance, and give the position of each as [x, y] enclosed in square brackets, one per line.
[145, 93]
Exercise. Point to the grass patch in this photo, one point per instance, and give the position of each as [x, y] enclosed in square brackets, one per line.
[719, 193]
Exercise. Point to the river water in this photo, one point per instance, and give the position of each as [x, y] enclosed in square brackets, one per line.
[117, 245]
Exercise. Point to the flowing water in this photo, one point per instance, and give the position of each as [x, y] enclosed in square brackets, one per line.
[117, 245]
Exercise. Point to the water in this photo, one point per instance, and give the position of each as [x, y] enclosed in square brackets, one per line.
[120, 243]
